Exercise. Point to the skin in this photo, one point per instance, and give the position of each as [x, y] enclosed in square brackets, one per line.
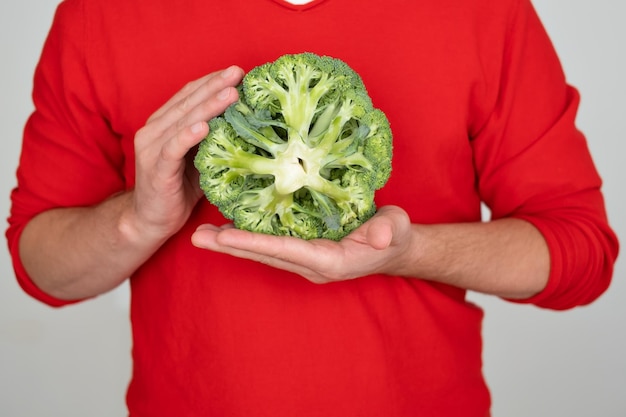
[82, 252]
[507, 258]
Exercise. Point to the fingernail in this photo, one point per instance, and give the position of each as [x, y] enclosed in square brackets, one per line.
[227, 72]
[196, 128]
[207, 227]
[223, 95]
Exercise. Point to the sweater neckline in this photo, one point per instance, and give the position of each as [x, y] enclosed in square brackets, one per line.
[298, 7]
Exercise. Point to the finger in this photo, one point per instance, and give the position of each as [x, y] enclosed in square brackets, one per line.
[176, 148]
[277, 263]
[202, 102]
[187, 137]
[183, 129]
[196, 91]
[218, 86]
[306, 253]
[192, 127]
[381, 227]
[180, 95]
[213, 238]
[385, 226]
[380, 233]
[196, 118]
[309, 253]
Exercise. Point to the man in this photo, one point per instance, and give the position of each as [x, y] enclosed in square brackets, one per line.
[227, 322]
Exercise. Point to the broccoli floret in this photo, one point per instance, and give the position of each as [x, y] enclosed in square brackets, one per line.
[301, 153]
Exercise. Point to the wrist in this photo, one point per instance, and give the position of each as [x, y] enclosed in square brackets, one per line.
[420, 255]
[135, 230]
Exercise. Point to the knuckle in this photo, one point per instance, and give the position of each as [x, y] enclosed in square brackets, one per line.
[184, 104]
[166, 153]
[189, 87]
[141, 137]
[181, 123]
[337, 272]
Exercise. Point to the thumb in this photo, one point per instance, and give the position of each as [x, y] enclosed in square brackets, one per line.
[384, 226]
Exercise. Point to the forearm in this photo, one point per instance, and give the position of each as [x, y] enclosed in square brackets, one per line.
[506, 257]
[74, 253]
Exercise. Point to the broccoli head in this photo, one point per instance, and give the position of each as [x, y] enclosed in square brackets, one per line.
[301, 153]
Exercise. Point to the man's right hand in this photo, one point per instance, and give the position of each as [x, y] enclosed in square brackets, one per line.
[166, 185]
[79, 252]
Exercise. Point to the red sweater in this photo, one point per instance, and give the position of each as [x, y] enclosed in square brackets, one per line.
[480, 111]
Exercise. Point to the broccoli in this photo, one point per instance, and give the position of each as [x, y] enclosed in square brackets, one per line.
[301, 153]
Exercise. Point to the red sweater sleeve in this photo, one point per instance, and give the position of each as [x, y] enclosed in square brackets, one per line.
[534, 164]
[70, 156]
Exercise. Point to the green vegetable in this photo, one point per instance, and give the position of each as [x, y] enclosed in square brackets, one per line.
[301, 153]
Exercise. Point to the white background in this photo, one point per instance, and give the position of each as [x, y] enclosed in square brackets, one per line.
[75, 361]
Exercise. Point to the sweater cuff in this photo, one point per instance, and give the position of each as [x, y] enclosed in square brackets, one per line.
[578, 269]
[548, 297]
[24, 280]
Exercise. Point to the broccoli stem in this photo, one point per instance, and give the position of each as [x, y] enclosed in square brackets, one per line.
[299, 100]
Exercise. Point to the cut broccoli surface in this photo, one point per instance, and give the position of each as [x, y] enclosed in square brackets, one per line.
[301, 153]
